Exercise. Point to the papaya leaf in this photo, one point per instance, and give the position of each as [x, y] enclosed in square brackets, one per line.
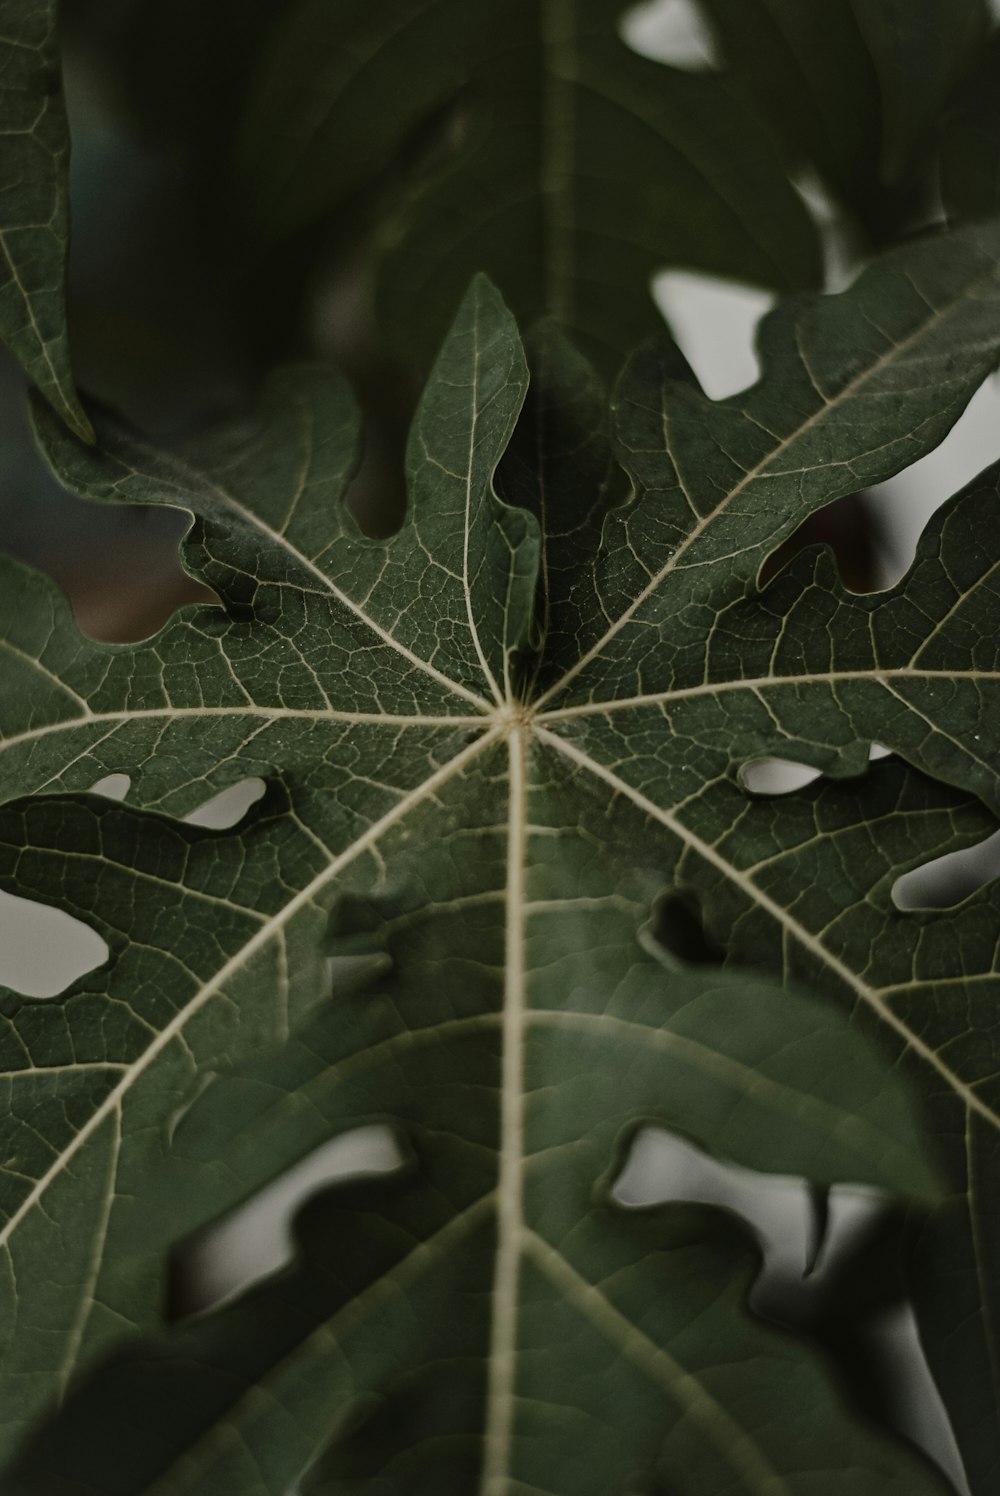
[970, 156]
[34, 203]
[794, 67]
[902, 66]
[494, 745]
[936, 43]
[556, 160]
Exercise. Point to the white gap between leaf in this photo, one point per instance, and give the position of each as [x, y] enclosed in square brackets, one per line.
[946, 881]
[672, 31]
[782, 776]
[228, 807]
[112, 786]
[255, 1240]
[42, 950]
[777, 776]
[904, 504]
[662, 1167]
[714, 322]
[915, 1400]
[842, 257]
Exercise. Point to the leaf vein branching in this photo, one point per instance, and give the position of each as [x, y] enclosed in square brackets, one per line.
[262, 936]
[686, 1391]
[879, 676]
[765, 466]
[77, 1329]
[746, 1080]
[803, 936]
[278, 714]
[331, 1333]
[223, 495]
[36, 664]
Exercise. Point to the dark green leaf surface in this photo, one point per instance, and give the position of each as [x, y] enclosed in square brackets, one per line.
[34, 203]
[795, 65]
[494, 745]
[970, 157]
[858, 90]
[572, 171]
[920, 52]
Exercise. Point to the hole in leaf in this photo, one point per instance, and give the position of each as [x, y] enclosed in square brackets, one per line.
[777, 776]
[849, 528]
[852, 1298]
[842, 250]
[912, 1402]
[715, 324]
[112, 786]
[901, 506]
[255, 1240]
[229, 806]
[126, 584]
[42, 950]
[678, 927]
[672, 31]
[662, 1167]
[878, 751]
[946, 881]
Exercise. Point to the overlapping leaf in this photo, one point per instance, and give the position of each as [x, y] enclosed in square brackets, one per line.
[493, 744]
[34, 206]
[901, 65]
[970, 161]
[570, 169]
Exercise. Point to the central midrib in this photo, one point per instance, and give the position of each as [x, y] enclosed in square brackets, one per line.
[510, 1217]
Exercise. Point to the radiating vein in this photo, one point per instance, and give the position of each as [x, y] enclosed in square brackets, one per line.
[199, 479]
[88, 1287]
[739, 1449]
[745, 1080]
[880, 677]
[36, 664]
[266, 713]
[760, 469]
[330, 1334]
[803, 936]
[262, 936]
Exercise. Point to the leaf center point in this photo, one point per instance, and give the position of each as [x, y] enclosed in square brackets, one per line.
[511, 716]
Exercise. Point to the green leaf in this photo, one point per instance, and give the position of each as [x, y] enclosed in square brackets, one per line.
[573, 169]
[900, 66]
[794, 66]
[497, 746]
[34, 203]
[921, 53]
[970, 154]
